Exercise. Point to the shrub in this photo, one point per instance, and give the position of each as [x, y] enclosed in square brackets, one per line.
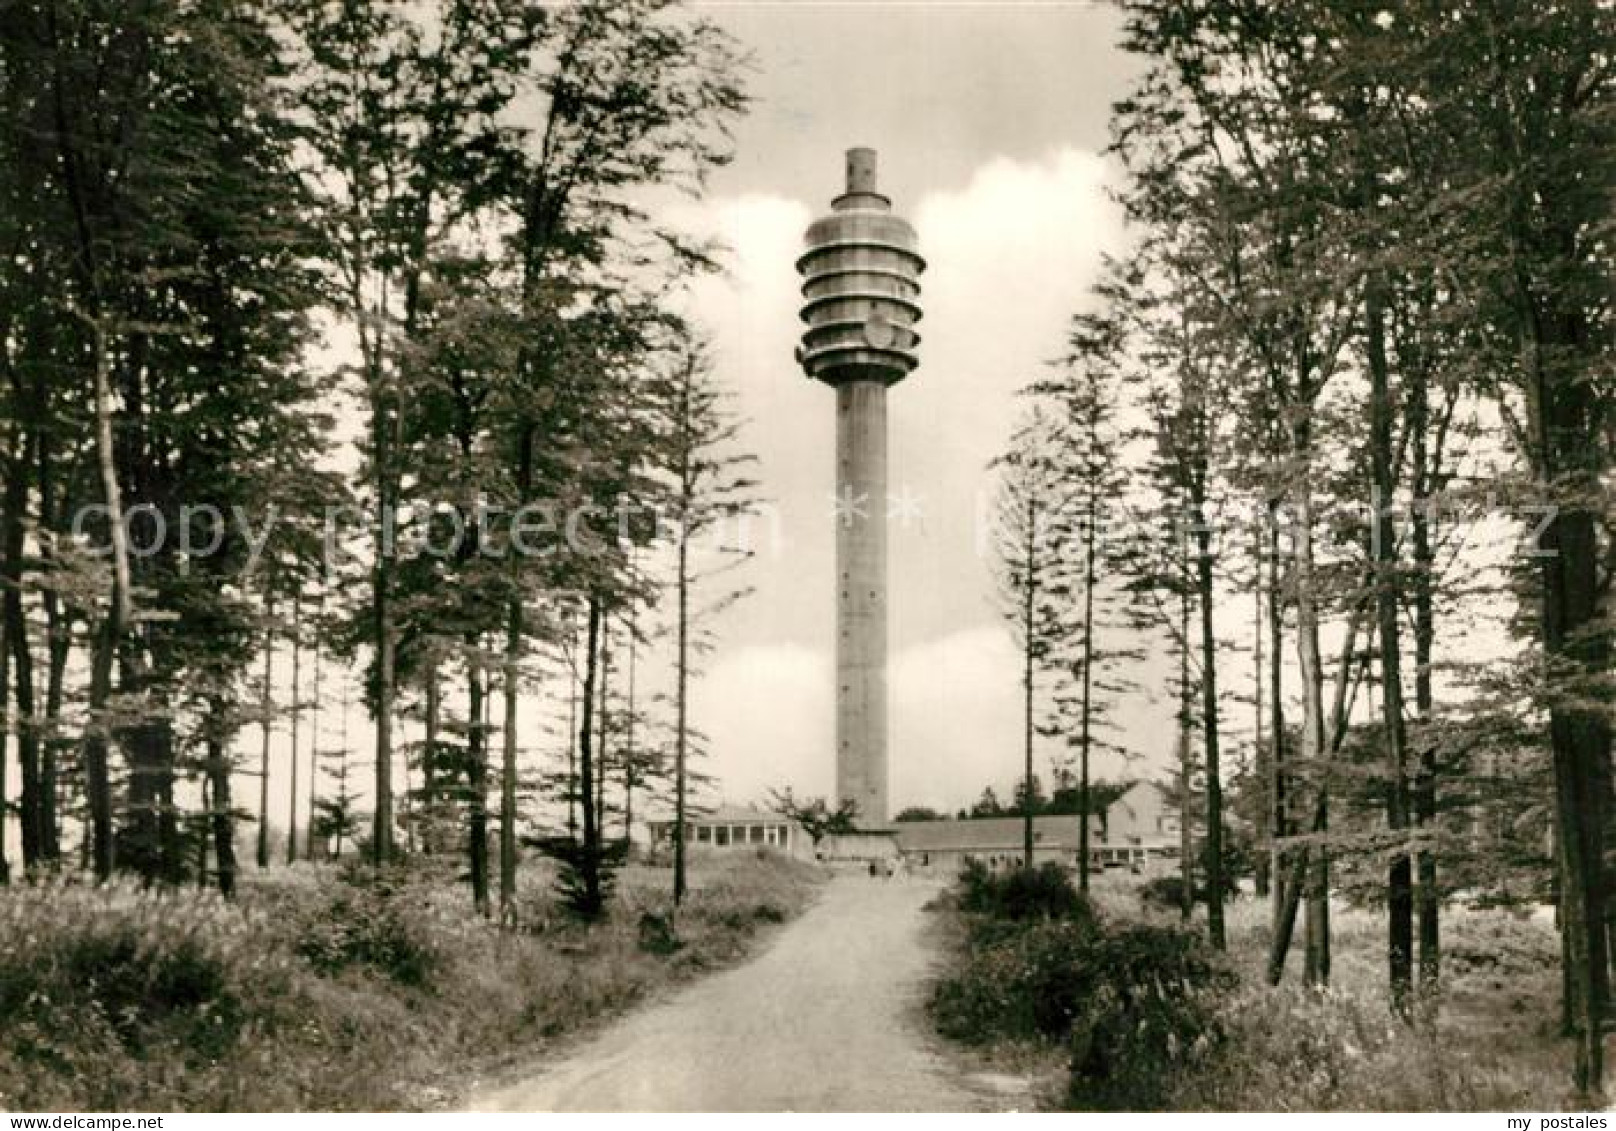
[1133, 1003]
[1019, 981]
[1487, 1044]
[657, 935]
[1163, 892]
[1152, 1010]
[1045, 892]
[1167, 892]
[363, 923]
[585, 874]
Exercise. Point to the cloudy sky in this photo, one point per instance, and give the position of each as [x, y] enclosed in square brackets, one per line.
[990, 122]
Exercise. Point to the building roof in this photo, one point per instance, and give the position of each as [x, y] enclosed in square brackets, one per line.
[1131, 815]
[728, 814]
[1129, 822]
[989, 834]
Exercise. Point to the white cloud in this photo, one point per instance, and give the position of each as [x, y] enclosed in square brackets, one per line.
[955, 710]
[766, 711]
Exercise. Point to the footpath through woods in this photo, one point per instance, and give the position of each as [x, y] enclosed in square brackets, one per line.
[829, 1018]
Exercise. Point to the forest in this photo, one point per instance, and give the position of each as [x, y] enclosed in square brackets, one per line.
[1337, 433]
[200, 198]
[344, 392]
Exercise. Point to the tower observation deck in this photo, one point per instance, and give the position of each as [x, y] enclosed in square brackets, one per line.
[861, 302]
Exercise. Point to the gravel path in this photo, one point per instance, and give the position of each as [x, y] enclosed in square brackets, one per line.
[827, 1019]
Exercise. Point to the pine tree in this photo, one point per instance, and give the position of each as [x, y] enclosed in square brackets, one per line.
[1086, 591]
[1030, 541]
[711, 492]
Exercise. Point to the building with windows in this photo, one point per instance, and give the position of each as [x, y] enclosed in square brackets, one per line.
[1138, 830]
[943, 847]
[1140, 825]
[734, 826]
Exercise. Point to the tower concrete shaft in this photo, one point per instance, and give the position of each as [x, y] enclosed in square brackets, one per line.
[861, 294]
[861, 603]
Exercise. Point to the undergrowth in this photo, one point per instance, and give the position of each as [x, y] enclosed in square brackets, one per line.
[1147, 1018]
[1488, 1042]
[334, 988]
[1128, 1002]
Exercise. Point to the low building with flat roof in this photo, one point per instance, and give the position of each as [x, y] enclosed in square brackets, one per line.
[1138, 828]
[734, 826]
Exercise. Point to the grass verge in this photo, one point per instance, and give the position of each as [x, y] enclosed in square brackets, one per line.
[329, 989]
[1490, 1043]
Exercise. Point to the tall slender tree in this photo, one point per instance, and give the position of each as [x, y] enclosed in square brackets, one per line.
[712, 496]
[1086, 588]
[1029, 541]
[402, 112]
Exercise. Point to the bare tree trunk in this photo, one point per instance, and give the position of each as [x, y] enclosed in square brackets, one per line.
[1261, 762]
[1186, 775]
[1316, 967]
[297, 707]
[429, 755]
[1316, 926]
[385, 413]
[386, 417]
[1580, 739]
[342, 778]
[1279, 820]
[507, 777]
[604, 726]
[682, 582]
[681, 698]
[202, 877]
[1303, 865]
[1288, 892]
[590, 857]
[98, 780]
[1029, 628]
[266, 704]
[1568, 990]
[1427, 897]
[1084, 736]
[1209, 724]
[381, 844]
[630, 768]
[149, 837]
[31, 803]
[476, 781]
[58, 645]
[314, 729]
[1400, 874]
[221, 816]
[572, 751]
[1566, 418]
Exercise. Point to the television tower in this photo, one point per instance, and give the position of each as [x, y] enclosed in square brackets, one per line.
[860, 287]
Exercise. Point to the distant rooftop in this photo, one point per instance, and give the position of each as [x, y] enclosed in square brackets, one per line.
[728, 814]
[991, 834]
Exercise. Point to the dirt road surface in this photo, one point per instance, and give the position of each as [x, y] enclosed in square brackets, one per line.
[828, 1018]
